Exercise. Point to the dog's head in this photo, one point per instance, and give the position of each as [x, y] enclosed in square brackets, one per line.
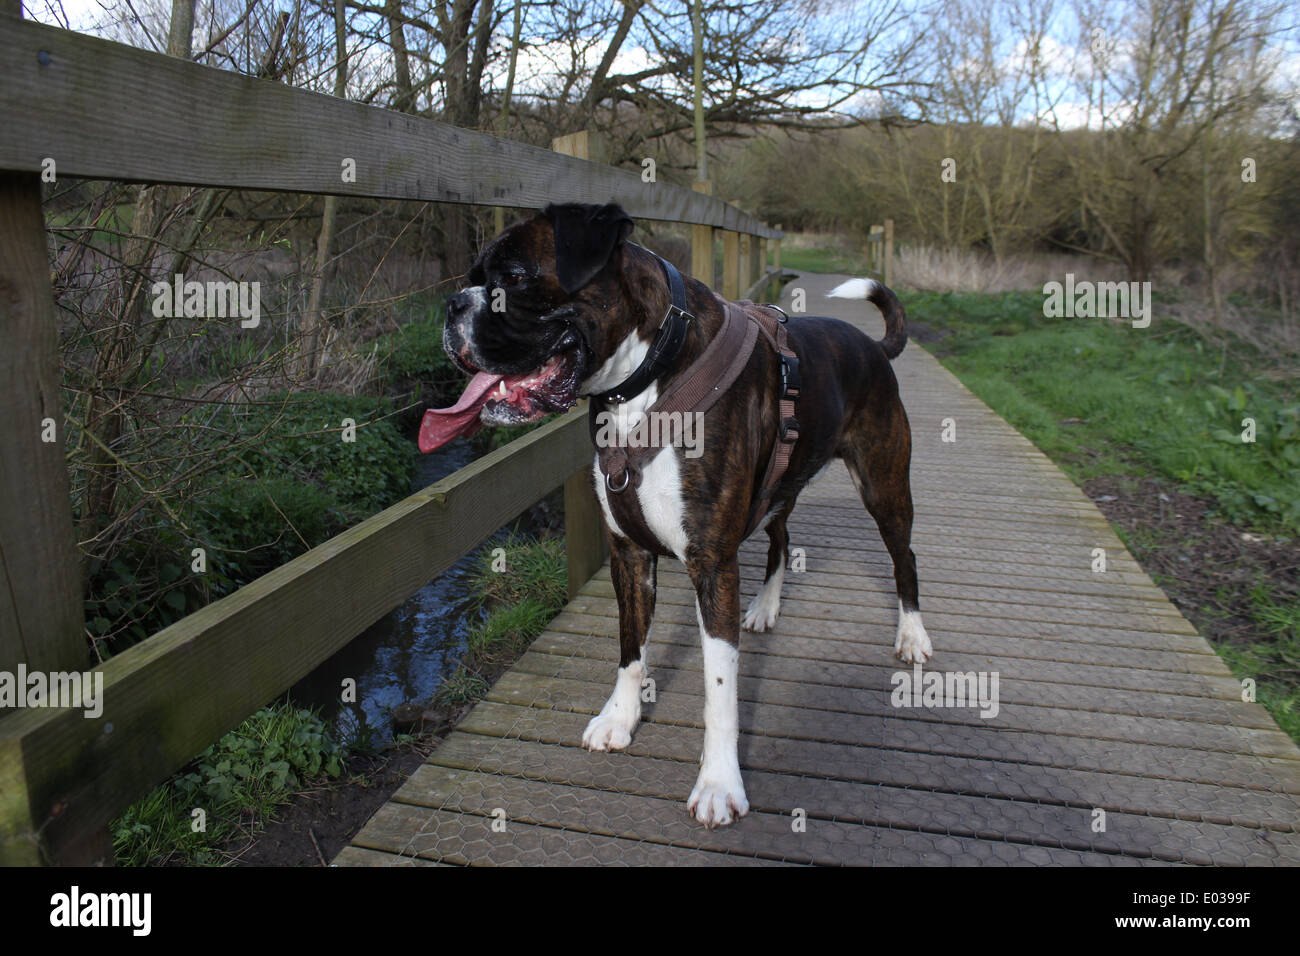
[539, 318]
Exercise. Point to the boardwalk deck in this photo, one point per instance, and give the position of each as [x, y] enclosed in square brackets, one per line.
[1109, 700]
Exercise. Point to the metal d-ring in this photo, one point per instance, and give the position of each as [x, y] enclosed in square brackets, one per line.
[627, 476]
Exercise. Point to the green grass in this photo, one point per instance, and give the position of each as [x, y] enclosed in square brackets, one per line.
[1102, 398]
[524, 592]
[234, 786]
[1099, 396]
[823, 259]
[1274, 664]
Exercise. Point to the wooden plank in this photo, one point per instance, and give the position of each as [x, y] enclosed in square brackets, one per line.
[469, 839]
[1053, 736]
[652, 818]
[833, 658]
[949, 814]
[1007, 641]
[359, 856]
[1256, 802]
[1036, 684]
[92, 105]
[170, 696]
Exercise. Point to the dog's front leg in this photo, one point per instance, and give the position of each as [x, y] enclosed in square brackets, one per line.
[719, 794]
[633, 573]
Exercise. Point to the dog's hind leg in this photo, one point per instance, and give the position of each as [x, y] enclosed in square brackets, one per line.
[633, 572]
[719, 794]
[878, 464]
[766, 605]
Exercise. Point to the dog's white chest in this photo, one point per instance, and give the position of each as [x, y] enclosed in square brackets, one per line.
[660, 489]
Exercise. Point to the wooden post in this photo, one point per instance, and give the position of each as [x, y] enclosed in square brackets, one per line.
[755, 262]
[776, 256]
[889, 252]
[702, 241]
[584, 530]
[746, 277]
[584, 144]
[730, 265]
[40, 602]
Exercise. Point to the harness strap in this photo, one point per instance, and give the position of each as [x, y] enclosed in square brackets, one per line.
[696, 391]
[774, 330]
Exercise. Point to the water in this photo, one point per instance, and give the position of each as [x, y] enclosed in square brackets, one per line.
[406, 655]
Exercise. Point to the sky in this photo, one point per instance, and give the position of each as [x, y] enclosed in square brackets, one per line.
[1064, 51]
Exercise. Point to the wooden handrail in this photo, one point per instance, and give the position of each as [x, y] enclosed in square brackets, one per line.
[64, 775]
[103, 110]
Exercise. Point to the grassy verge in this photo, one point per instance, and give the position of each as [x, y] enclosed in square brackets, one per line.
[233, 787]
[524, 584]
[1115, 406]
[822, 257]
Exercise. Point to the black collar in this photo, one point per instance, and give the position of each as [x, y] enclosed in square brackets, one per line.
[666, 346]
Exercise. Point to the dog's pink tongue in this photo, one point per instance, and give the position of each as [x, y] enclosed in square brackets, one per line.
[441, 425]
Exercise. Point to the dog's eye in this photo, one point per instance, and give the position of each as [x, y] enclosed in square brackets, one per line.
[511, 279]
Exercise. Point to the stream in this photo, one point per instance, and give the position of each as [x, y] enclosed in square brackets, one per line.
[405, 655]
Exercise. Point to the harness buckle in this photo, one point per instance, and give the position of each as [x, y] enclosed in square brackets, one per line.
[674, 310]
[787, 426]
[790, 380]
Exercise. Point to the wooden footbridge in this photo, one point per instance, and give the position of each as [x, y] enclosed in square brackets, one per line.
[1120, 737]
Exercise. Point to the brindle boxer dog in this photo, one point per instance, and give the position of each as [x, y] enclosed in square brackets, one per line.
[563, 305]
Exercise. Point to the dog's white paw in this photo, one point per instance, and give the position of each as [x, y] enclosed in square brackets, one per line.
[912, 645]
[718, 799]
[609, 732]
[763, 609]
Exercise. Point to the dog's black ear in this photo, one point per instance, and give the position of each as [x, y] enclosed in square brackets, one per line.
[585, 237]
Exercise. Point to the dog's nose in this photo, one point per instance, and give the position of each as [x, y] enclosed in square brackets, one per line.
[457, 305]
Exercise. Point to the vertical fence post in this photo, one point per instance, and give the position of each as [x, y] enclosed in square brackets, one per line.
[776, 255]
[746, 277]
[40, 603]
[702, 242]
[584, 144]
[889, 252]
[584, 531]
[730, 265]
[743, 277]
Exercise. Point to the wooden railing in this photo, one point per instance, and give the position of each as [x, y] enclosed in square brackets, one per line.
[106, 111]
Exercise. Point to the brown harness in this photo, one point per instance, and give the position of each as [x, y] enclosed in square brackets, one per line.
[694, 392]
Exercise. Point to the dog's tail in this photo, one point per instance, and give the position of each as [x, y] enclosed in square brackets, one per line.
[879, 295]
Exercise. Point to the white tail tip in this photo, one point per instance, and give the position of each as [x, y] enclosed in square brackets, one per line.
[853, 289]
